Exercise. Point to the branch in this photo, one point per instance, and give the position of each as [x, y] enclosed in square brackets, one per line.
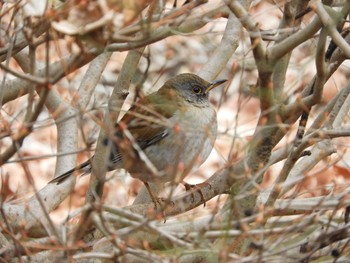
[330, 25]
[18, 87]
[224, 51]
[252, 27]
[282, 48]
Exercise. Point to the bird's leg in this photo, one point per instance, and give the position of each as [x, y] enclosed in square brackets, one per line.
[156, 201]
[162, 202]
[196, 187]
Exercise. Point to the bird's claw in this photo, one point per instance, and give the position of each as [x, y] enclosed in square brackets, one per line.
[196, 187]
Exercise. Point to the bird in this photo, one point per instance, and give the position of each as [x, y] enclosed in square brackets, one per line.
[164, 135]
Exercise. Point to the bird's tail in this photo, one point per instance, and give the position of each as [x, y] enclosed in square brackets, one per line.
[81, 169]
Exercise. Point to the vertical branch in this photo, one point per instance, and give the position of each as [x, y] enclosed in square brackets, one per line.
[115, 103]
[330, 24]
[247, 21]
[288, 22]
[116, 100]
[298, 148]
[224, 51]
[66, 119]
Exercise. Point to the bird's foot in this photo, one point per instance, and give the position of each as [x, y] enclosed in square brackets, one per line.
[159, 202]
[198, 188]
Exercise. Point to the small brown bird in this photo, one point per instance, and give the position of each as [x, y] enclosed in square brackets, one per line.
[164, 135]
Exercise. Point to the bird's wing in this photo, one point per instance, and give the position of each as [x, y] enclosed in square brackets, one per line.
[148, 124]
[143, 125]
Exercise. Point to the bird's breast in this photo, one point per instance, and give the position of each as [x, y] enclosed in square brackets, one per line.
[190, 139]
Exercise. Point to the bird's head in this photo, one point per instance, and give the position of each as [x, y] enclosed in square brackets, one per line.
[191, 88]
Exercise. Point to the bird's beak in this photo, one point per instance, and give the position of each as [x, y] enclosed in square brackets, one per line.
[215, 83]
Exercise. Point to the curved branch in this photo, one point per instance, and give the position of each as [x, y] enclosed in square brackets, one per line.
[224, 51]
[331, 26]
[251, 26]
[282, 48]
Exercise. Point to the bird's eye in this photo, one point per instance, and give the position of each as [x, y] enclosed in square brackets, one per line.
[196, 90]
